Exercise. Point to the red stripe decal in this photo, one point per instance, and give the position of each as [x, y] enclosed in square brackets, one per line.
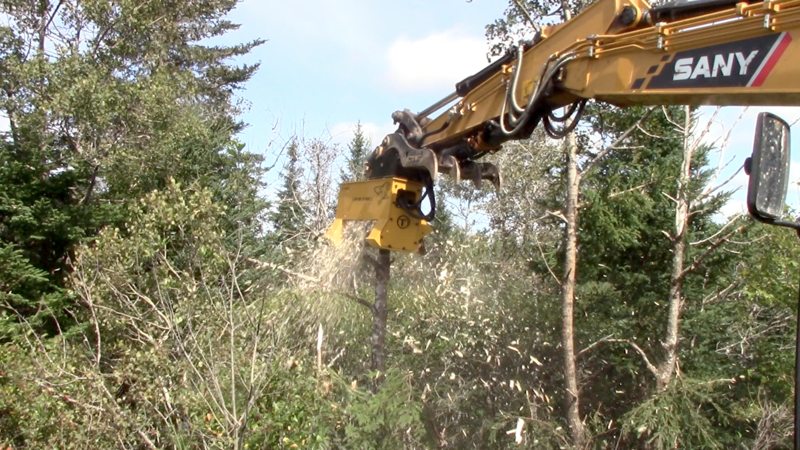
[773, 59]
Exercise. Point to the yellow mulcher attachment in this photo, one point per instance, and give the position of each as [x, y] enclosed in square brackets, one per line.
[382, 201]
[400, 179]
[400, 176]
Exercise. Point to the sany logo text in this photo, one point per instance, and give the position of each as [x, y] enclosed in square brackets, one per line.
[689, 69]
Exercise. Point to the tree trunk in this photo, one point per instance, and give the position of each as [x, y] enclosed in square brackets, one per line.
[667, 367]
[572, 398]
[44, 10]
[379, 311]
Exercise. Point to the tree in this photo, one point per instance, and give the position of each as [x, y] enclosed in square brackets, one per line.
[41, 220]
[177, 349]
[358, 150]
[289, 217]
[504, 30]
[114, 101]
[637, 224]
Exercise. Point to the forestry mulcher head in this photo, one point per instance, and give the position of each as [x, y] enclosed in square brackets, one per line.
[393, 205]
[401, 173]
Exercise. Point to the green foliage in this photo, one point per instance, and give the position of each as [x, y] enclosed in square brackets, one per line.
[41, 220]
[387, 419]
[171, 344]
[100, 118]
[358, 150]
[676, 417]
[290, 216]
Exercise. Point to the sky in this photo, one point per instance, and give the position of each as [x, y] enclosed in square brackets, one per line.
[328, 65]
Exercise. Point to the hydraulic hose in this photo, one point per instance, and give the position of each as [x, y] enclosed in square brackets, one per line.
[415, 209]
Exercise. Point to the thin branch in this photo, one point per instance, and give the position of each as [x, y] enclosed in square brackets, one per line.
[544, 258]
[358, 300]
[653, 135]
[641, 186]
[618, 141]
[732, 221]
[146, 440]
[595, 344]
[719, 294]
[670, 120]
[712, 189]
[721, 380]
[670, 197]
[524, 12]
[653, 369]
[694, 146]
[557, 214]
[720, 166]
[699, 260]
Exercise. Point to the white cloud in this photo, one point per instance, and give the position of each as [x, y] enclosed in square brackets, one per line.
[434, 62]
[342, 132]
[731, 208]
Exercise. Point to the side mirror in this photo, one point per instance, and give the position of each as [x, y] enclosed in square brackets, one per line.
[768, 168]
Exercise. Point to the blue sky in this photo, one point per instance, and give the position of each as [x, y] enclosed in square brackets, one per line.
[329, 64]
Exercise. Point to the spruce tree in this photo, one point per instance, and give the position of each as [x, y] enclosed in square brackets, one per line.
[624, 276]
[358, 149]
[289, 217]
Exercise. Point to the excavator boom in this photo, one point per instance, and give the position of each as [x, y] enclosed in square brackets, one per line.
[622, 52]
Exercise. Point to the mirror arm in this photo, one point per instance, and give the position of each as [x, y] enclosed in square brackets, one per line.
[784, 223]
[796, 226]
[768, 169]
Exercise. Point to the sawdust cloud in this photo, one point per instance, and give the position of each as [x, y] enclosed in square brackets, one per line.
[330, 273]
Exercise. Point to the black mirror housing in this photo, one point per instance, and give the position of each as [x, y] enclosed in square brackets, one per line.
[768, 168]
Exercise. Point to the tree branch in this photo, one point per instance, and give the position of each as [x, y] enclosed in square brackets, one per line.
[53, 16]
[722, 230]
[544, 258]
[699, 260]
[641, 186]
[524, 11]
[653, 369]
[618, 141]
[358, 300]
[670, 120]
[719, 294]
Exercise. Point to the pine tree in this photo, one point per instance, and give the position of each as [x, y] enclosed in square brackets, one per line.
[359, 148]
[98, 120]
[41, 221]
[289, 217]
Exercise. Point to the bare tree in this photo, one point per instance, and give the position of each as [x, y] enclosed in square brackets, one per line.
[319, 185]
[568, 281]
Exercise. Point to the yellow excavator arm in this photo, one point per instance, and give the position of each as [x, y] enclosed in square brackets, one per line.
[623, 52]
